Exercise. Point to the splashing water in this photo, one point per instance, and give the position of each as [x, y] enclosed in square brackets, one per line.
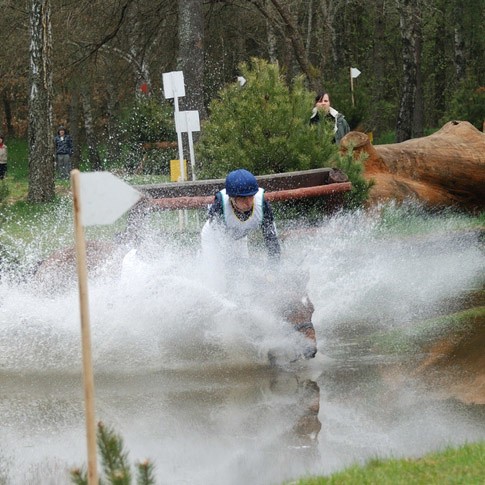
[163, 314]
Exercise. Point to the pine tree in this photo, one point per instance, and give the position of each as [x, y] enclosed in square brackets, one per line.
[114, 459]
[263, 126]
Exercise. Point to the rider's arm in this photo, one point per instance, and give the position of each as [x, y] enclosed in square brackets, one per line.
[269, 232]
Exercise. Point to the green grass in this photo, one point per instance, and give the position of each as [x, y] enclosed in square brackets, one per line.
[463, 465]
[18, 159]
[388, 137]
[42, 228]
[412, 338]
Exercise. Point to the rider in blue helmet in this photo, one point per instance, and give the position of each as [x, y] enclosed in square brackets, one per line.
[239, 209]
[241, 183]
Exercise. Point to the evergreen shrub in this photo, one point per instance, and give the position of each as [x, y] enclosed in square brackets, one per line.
[262, 126]
[115, 462]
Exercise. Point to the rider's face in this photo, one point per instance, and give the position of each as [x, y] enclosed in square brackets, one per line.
[243, 204]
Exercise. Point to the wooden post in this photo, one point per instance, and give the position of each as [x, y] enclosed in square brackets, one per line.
[85, 330]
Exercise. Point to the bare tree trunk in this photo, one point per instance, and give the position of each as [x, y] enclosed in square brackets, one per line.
[41, 149]
[439, 80]
[271, 36]
[327, 33]
[114, 147]
[91, 138]
[418, 120]
[379, 64]
[408, 17]
[459, 44]
[7, 109]
[296, 39]
[137, 54]
[309, 28]
[74, 129]
[191, 53]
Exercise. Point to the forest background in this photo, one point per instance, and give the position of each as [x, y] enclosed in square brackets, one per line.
[96, 66]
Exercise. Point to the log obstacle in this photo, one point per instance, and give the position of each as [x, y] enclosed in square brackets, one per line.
[279, 187]
[280, 195]
[444, 169]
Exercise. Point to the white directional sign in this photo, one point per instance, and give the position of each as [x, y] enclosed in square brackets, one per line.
[104, 198]
[187, 121]
[173, 84]
[354, 72]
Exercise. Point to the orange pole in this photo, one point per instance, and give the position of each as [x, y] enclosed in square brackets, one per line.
[279, 195]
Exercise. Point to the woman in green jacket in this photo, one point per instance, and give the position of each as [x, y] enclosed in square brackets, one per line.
[322, 109]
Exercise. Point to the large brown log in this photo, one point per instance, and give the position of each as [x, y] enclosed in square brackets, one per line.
[444, 169]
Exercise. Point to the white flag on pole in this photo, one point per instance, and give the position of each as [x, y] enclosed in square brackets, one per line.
[354, 72]
[104, 198]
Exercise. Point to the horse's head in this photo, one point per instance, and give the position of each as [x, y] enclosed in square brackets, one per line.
[297, 309]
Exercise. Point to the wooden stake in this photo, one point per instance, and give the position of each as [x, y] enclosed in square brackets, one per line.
[85, 330]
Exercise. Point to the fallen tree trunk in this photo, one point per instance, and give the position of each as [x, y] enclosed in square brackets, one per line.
[444, 169]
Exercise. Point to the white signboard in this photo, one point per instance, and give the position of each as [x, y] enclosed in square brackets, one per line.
[354, 72]
[186, 121]
[173, 84]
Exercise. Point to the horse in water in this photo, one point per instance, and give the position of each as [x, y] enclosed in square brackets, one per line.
[293, 307]
[299, 313]
[283, 291]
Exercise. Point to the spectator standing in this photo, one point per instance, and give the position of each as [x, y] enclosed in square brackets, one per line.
[323, 110]
[3, 158]
[63, 144]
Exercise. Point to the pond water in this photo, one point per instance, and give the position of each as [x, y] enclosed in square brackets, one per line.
[181, 368]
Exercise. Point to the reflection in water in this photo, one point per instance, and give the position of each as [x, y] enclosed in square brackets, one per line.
[254, 427]
[182, 372]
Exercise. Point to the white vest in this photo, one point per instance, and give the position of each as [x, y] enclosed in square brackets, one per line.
[234, 226]
[224, 242]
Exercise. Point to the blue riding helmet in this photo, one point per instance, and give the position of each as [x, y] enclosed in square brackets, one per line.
[241, 183]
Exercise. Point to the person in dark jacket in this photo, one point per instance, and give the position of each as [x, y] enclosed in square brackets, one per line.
[3, 158]
[322, 109]
[63, 146]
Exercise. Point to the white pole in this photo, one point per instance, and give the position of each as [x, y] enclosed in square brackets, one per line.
[192, 155]
[182, 214]
[179, 143]
[352, 87]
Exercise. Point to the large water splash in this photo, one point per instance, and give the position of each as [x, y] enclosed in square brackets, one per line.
[385, 268]
[229, 417]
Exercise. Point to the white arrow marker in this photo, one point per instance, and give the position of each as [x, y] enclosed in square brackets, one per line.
[98, 198]
[104, 198]
[354, 72]
[241, 80]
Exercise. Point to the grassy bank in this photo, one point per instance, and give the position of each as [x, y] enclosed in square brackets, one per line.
[463, 465]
